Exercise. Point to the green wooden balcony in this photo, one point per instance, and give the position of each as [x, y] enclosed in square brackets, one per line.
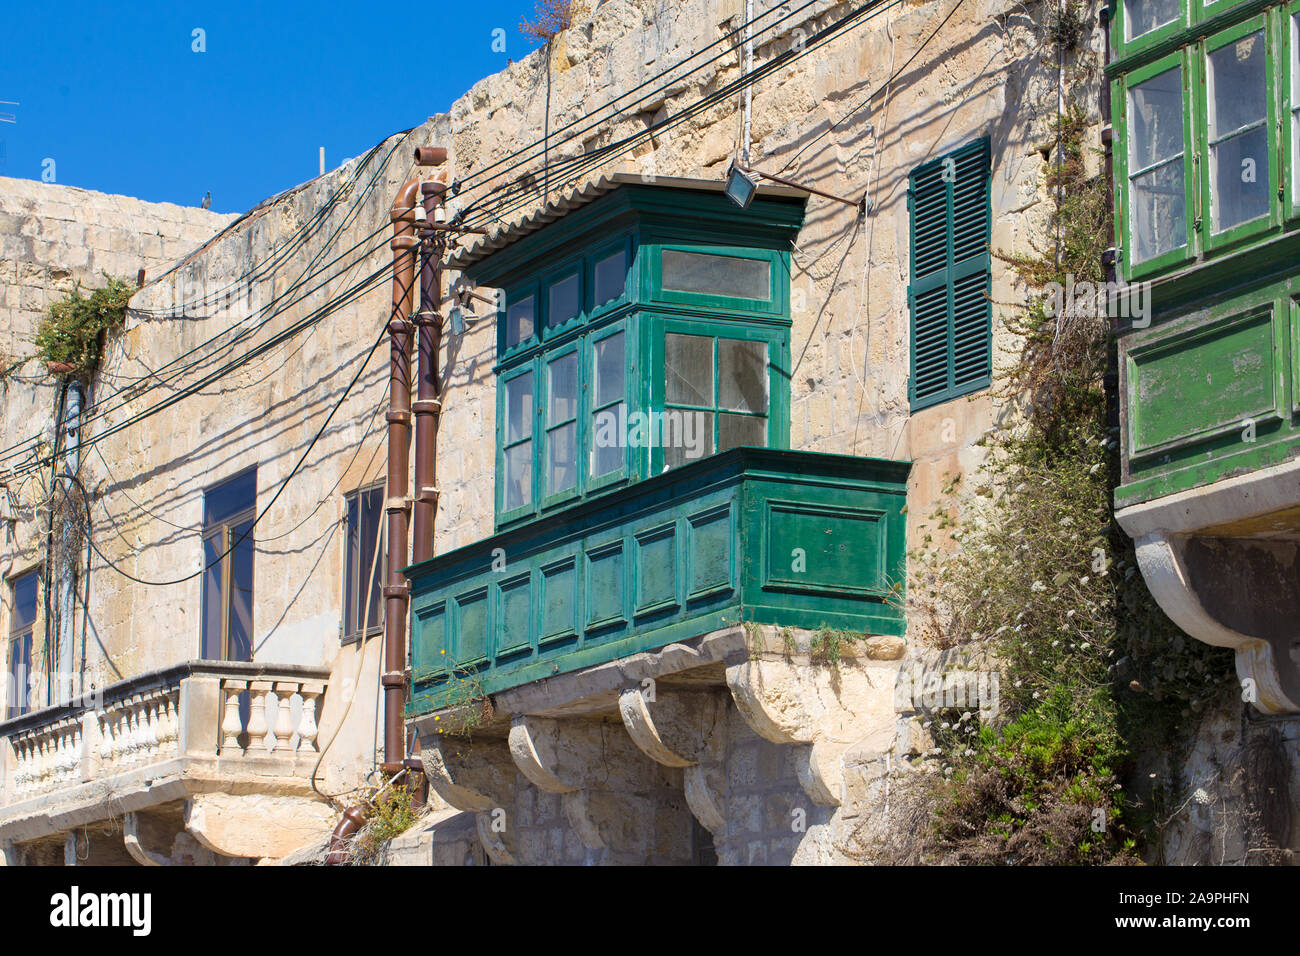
[760, 535]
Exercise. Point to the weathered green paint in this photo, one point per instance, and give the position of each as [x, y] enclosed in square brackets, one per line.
[1186, 49]
[764, 535]
[1210, 390]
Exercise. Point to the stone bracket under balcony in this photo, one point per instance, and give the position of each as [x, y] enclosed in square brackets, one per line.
[225, 749]
[1222, 561]
[628, 751]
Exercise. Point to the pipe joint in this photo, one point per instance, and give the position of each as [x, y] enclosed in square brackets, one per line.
[394, 679]
[426, 406]
[396, 504]
[397, 417]
[403, 243]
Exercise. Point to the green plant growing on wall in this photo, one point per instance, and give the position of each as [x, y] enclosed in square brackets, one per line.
[73, 329]
[389, 814]
[550, 17]
[1092, 673]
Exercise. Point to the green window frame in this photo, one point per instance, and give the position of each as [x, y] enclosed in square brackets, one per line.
[1210, 139]
[364, 557]
[1129, 168]
[731, 345]
[517, 414]
[604, 396]
[1161, 31]
[772, 302]
[539, 419]
[1143, 12]
[951, 314]
[1291, 113]
[24, 608]
[1227, 46]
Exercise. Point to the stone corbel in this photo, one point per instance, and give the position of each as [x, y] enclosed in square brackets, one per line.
[135, 846]
[602, 777]
[477, 777]
[820, 710]
[1268, 666]
[684, 729]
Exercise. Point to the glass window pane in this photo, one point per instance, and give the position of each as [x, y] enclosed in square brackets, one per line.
[1239, 179]
[239, 646]
[689, 369]
[716, 275]
[564, 301]
[1236, 78]
[518, 475]
[214, 606]
[609, 365]
[742, 375]
[18, 693]
[24, 614]
[519, 407]
[697, 429]
[1239, 171]
[372, 556]
[519, 322]
[562, 386]
[1155, 118]
[1143, 16]
[736, 430]
[351, 571]
[230, 498]
[611, 277]
[608, 440]
[562, 458]
[1158, 205]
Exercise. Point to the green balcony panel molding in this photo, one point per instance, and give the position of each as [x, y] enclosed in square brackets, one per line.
[761, 535]
[1209, 390]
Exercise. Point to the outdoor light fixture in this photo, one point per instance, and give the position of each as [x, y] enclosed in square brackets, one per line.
[742, 184]
[457, 319]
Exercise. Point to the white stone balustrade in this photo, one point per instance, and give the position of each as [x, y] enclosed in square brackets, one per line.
[223, 712]
[281, 716]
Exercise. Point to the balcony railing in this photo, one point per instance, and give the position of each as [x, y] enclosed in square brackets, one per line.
[222, 717]
[758, 535]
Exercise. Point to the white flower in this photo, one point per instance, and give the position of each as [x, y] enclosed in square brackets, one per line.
[1038, 586]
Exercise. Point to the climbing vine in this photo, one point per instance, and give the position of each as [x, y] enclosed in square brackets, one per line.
[1045, 583]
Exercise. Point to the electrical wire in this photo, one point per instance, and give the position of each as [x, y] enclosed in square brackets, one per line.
[96, 411]
[574, 167]
[309, 320]
[274, 498]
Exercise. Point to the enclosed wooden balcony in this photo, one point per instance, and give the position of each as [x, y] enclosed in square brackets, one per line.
[761, 536]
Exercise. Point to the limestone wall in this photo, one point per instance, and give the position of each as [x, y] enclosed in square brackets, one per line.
[53, 238]
[980, 74]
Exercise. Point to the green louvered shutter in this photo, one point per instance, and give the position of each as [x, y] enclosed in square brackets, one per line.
[948, 296]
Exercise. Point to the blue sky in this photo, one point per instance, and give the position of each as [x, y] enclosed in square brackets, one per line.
[115, 95]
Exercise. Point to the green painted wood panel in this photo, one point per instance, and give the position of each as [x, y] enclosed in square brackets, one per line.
[672, 557]
[1188, 387]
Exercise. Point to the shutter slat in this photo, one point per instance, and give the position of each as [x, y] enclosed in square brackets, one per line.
[952, 317]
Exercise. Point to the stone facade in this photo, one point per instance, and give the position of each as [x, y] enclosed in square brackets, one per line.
[802, 753]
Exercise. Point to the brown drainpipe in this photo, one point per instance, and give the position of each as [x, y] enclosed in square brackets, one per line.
[396, 589]
[428, 402]
[397, 592]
